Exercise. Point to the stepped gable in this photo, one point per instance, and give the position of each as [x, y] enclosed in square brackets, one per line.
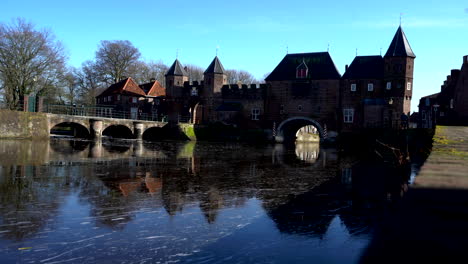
[400, 46]
[215, 67]
[153, 88]
[127, 86]
[365, 67]
[319, 64]
[176, 69]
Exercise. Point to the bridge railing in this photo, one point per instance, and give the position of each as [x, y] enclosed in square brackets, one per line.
[106, 112]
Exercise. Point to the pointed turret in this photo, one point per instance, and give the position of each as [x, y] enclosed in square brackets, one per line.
[398, 73]
[177, 69]
[214, 78]
[400, 46]
[215, 67]
[175, 78]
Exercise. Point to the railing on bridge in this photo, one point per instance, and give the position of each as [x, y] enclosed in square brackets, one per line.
[99, 111]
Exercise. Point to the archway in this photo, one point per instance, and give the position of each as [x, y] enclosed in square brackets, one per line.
[154, 134]
[288, 129]
[70, 129]
[118, 131]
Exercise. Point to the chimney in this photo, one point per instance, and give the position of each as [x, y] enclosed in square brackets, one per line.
[346, 67]
[465, 59]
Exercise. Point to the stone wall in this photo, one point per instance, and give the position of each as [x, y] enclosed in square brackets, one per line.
[16, 124]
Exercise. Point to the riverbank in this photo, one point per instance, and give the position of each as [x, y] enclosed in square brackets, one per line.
[431, 225]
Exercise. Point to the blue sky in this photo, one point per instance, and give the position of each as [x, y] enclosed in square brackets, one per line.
[254, 35]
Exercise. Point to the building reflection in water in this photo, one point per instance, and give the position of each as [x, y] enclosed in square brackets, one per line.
[302, 188]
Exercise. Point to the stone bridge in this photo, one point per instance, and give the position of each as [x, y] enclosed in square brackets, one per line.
[96, 126]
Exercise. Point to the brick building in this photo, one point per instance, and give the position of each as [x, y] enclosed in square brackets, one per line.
[304, 89]
[127, 99]
[307, 89]
[450, 105]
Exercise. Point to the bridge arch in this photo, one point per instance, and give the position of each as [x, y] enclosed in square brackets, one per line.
[287, 130]
[118, 131]
[74, 129]
[153, 133]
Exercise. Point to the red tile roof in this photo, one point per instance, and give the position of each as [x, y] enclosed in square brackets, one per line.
[153, 88]
[126, 86]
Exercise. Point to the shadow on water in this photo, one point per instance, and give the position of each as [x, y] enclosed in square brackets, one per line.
[196, 195]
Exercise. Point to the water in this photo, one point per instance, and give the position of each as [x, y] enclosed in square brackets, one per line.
[67, 201]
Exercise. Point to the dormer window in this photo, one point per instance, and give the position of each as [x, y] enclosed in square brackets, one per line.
[302, 71]
[353, 87]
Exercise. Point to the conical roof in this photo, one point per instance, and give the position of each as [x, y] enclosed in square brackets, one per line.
[176, 69]
[215, 67]
[400, 46]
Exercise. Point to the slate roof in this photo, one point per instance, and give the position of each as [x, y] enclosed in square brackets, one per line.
[153, 88]
[127, 86]
[400, 46]
[215, 67]
[320, 65]
[176, 69]
[365, 67]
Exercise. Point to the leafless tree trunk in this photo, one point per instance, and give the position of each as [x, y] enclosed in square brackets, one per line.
[195, 72]
[115, 60]
[89, 83]
[31, 62]
[240, 76]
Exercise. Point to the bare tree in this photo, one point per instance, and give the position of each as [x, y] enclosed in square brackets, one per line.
[240, 76]
[70, 86]
[143, 72]
[116, 59]
[264, 77]
[31, 62]
[195, 72]
[89, 83]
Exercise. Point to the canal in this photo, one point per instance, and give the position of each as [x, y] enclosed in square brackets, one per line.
[76, 201]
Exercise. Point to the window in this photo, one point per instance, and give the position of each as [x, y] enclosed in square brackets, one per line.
[428, 102]
[105, 99]
[255, 113]
[134, 99]
[408, 86]
[281, 109]
[118, 97]
[301, 70]
[389, 85]
[109, 98]
[301, 73]
[353, 87]
[348, 115]
[299, 108]
[423, 113]
[451, 103]
[194, 91]
[370, 87]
